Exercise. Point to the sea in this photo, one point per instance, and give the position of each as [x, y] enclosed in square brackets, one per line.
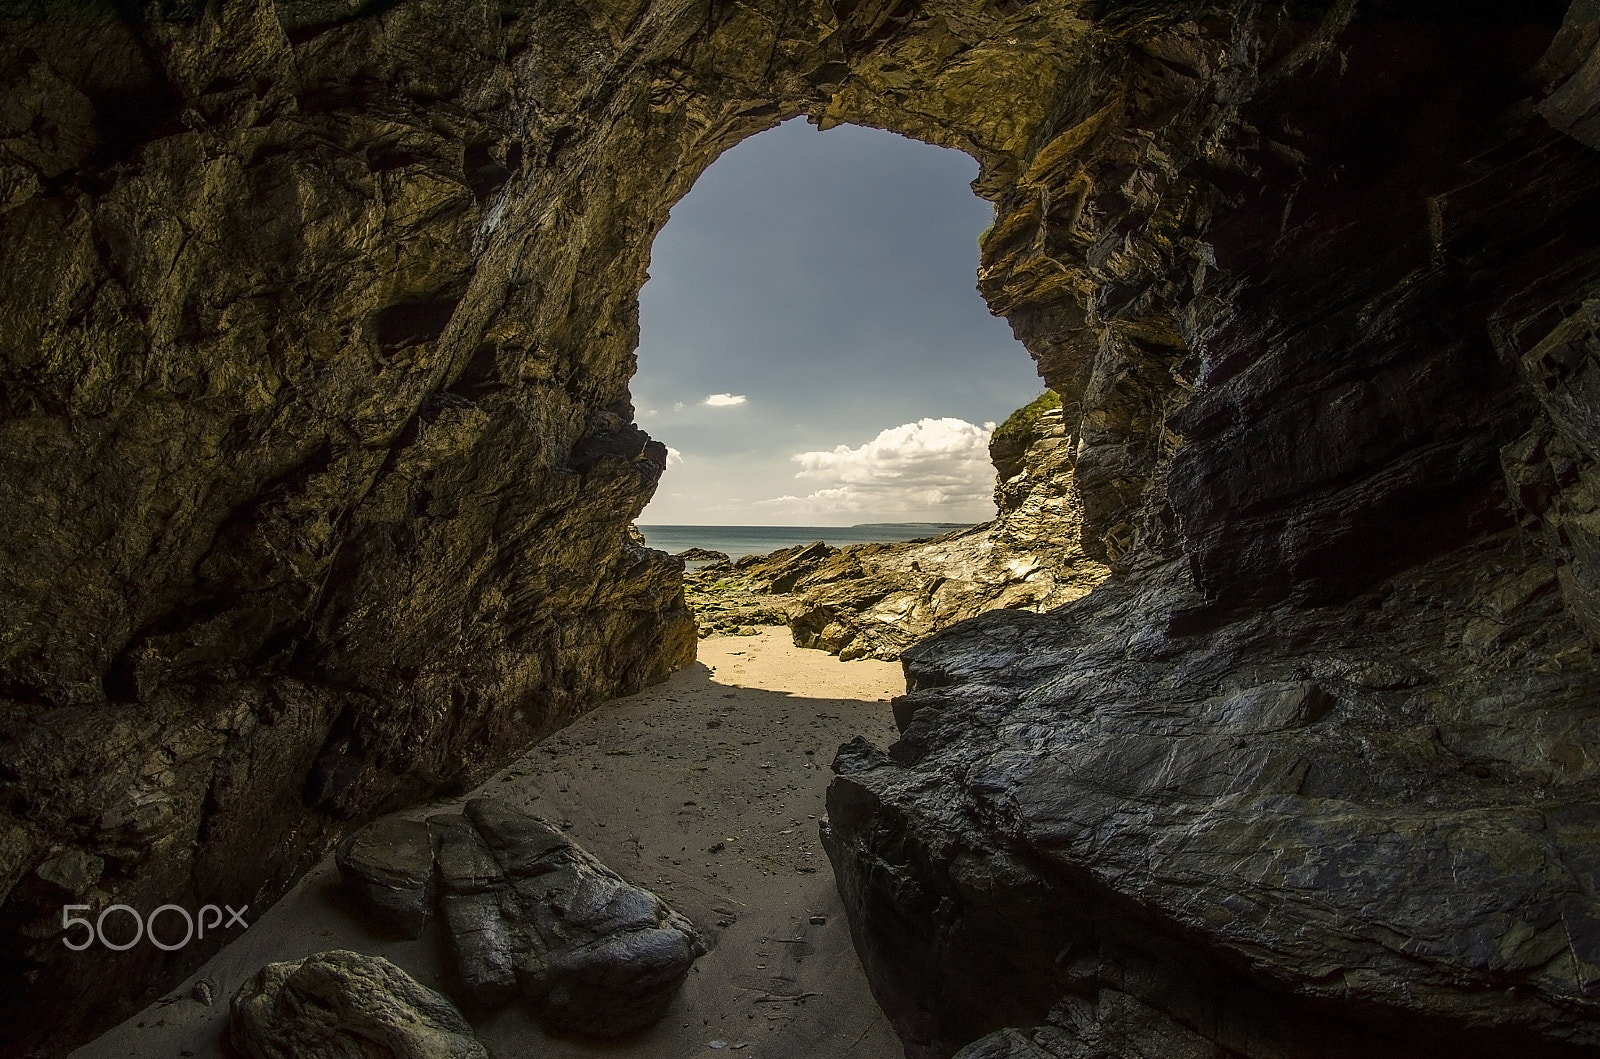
[739, 541]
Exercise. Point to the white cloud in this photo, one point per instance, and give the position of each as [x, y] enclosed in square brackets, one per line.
[932, 469]
[674, 457]
[724, 400]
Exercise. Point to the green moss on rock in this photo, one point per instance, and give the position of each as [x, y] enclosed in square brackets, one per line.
[1019, 424]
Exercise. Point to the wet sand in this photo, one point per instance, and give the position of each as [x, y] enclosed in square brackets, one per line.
[707, 789]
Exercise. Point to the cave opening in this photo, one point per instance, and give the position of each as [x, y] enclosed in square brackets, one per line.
[830, 387]
[812, 348]
[321, 463]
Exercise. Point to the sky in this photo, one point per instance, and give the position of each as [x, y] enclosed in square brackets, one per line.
[813, 349]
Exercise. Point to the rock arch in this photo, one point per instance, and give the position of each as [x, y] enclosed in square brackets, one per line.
[318, 452]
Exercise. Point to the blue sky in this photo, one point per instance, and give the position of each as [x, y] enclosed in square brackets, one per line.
[813, 349]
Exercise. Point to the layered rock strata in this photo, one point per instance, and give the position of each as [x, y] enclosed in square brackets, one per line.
[1313, 776]
[1363, 830]
[317, 461]
[875, 600]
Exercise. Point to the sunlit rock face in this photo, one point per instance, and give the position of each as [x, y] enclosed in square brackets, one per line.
[318, 460]
[876, 600]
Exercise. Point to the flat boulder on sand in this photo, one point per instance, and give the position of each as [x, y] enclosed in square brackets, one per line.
[343, 1005]
[528, 912]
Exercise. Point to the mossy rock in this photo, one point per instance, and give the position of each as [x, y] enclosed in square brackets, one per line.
[1019, 425]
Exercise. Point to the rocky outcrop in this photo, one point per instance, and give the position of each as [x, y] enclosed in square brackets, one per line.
[732, 606]
[338, 1004]
[1312, 775]
[876, 600]
[317, 460]
[703, 555]
[1334, 831]
[526, 912]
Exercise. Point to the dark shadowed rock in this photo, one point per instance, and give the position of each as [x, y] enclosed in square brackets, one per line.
[525, 911]
[1110, 1025]
[1240, 832]
[593, 954]
[479, 932]
[343, 1005]
[388, 866]
[318, 464]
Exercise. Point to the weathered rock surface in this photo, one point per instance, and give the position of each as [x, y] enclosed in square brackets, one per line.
[1313, 776]
[343, 1005]
[1111, 1026]
[1258, 830]
[875, 600]
[388, 866]
[528, 912]
[317, 466]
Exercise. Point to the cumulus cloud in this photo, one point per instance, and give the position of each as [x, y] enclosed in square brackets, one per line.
[931, 469]
[674, 457]
[724, 400]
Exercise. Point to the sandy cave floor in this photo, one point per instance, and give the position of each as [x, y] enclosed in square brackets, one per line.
[729, 755]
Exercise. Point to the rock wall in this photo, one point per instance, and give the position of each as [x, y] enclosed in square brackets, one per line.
[1311, 777]
[318, 457]
[877, 600]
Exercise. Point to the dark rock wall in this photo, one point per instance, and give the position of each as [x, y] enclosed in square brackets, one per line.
[317, 454]
[1311, 779]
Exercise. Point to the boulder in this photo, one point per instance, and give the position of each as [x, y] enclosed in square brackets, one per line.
[388, 866]
[343, 1005]
[593, 954]
[528, 912]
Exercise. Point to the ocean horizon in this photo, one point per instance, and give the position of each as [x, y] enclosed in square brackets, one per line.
[739, 541]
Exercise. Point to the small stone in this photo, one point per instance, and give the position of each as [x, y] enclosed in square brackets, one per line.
[818, 921]
[205, 991]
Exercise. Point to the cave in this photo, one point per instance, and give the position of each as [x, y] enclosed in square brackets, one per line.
[318, 461]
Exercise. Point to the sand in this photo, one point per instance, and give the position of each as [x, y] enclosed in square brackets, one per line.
[707, 789]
